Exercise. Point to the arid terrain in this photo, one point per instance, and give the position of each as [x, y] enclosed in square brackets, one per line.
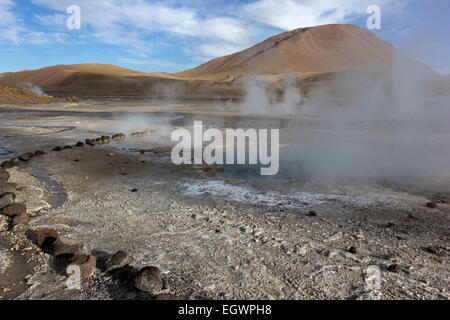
[363, 186]
[213, 235]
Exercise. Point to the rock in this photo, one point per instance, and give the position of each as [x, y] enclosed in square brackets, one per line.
[432, 205]
[57, 149]
[8, 187]
[80, 144]
[72, 99]
[312, 213]
[395, 268]
[352, 249]
[134, 190]
[67, 246]
[46, 237]
[4, 175]
[90, 142]
[22, 218]
[335, 237]
[119, 260]
[433, 249]
[67, 147]
[8, 164]
[39, 153]
[87, 264]
[26, 156]
[15, 209]
[6, 199]
[118, 136]
[149, 279]
[167, 297]
[105, 139]
[99, 141]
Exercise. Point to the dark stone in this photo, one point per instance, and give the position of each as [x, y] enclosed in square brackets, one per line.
[432, 205]
[26, 156]
[39, 153]
[119, 260]
[67, 147]
[15, 209]
[57, 149]
[312, 213]
[6, 199]
[90, 142]
[105, 139]
[118, 136]
[22, 218]
[80, 144]
[395, 268]
[352, 249]
[149, 279]
[86, 263]
[134, 190]
[8, 187]
[8, 164]
[46, 237]
[4, 175]
[67, 246]
[433, 249]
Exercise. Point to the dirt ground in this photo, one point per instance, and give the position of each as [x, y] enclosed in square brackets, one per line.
[214, 236]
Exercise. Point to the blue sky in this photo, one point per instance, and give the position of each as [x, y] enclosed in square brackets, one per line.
[158, 36]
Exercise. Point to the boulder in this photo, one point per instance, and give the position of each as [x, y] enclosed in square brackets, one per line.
[26, 156]
[22, 218]
[86, 263]
[8, 164]
[149, 280]
[67, 147]
[39, 153]
[432, 205]
[46, 237]
[7, 187]
[118, 136]
[67, 246]
[6, 199]
[57, 149]
[15, 209]
[90, 142]
[395, 268]
[4, 175]
[119, 260]
[80, 144]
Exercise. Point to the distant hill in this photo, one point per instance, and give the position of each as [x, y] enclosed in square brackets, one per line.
[322, 49]
[306, 55]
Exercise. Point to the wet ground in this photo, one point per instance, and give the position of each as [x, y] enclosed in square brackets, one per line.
[229, 234]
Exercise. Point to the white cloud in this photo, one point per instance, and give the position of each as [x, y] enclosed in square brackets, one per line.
[106, 18]
[293, 14]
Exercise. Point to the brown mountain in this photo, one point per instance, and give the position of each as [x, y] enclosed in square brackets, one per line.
[91, 79]
[308, 55]
[322, 49]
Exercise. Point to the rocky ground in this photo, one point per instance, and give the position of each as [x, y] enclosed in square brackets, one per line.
[26, 96]
[210, 237]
